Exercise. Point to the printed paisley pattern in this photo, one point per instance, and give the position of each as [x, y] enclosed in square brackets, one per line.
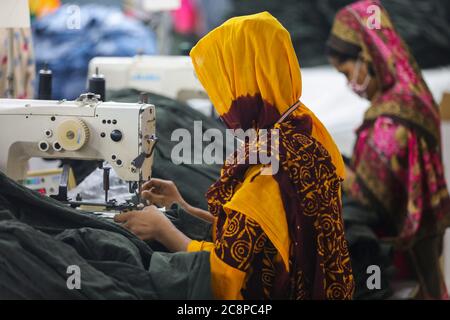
[242, 244]
[320, 263]
[242, 240]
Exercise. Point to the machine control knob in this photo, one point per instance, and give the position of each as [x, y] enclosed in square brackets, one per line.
[48, 133]
[43, 146]
[116, 135]
[72, 134]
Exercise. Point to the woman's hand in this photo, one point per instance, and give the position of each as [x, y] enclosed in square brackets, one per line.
[151, 224]
[163, 193]
[147, 224]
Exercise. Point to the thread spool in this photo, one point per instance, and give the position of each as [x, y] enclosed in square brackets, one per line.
[45, 84]
[97, 84]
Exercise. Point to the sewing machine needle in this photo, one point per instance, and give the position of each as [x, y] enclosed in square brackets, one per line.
[106, 182]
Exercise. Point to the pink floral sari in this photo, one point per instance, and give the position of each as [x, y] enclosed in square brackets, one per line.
[397, 157]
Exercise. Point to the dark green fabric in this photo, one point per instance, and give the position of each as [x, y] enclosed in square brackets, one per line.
[170, 283]
[193, 180]
[366, 249]
[193, 227]
[50, 216]
[40, 238]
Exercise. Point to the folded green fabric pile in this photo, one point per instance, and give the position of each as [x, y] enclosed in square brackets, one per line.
[41, 240]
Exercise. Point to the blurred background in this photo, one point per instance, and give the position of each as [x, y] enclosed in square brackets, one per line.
[129, 27]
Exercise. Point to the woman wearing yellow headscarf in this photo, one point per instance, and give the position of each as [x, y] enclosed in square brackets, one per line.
[275, 236]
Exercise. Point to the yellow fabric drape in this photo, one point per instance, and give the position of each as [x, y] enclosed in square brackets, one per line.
[195, 245]
[251, 200]
[226, 281]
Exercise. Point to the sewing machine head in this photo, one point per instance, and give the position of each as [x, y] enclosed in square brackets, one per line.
[123, 134]
[170, 76]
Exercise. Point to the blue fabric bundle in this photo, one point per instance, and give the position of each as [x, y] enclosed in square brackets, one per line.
[67, 49]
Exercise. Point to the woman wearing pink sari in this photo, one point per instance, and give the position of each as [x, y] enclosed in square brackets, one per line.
[396, 168]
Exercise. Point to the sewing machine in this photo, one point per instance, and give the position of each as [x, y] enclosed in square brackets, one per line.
[170, 76]
[122, 134]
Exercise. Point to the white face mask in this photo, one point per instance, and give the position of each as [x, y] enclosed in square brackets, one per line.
[359, 89]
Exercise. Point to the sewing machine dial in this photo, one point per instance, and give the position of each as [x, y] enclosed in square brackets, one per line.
[72, 134]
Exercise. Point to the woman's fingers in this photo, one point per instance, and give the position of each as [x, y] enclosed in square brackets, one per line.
[148, 195]
[153, 183]
[127, 222]
[163, 193]
[145, 224]
[153, 197]
[123, 216]
[150, 184]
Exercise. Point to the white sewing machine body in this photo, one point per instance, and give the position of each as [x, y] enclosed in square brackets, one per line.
[119, 133]
[170, 76]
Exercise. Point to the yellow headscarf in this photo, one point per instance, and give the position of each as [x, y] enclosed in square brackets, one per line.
[251, 56]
